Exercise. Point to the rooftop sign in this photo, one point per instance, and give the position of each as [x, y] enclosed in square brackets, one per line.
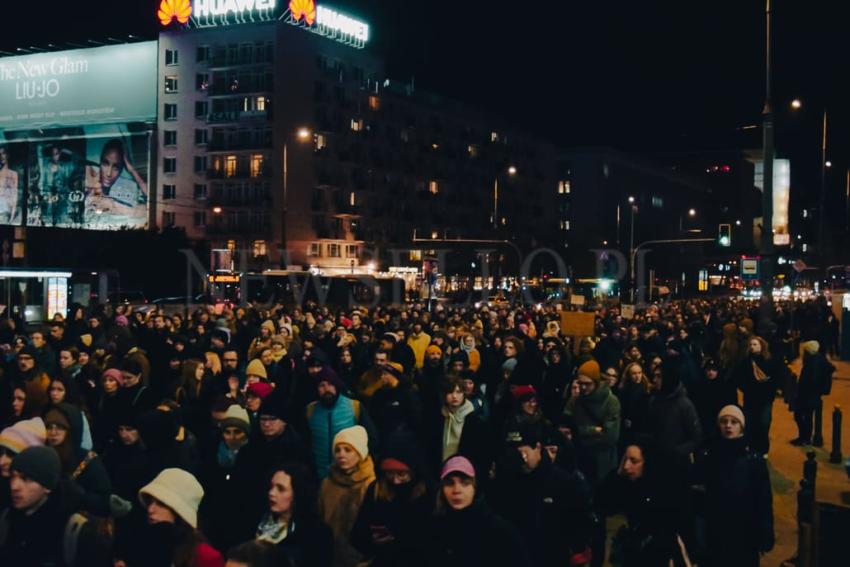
[328, 23]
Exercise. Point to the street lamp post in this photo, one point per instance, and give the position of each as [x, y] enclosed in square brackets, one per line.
[301, 135]
[822, 197]
[766, 244]
[633, 207]
[511, 172]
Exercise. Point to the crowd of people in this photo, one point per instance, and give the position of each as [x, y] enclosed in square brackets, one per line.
[319, 437]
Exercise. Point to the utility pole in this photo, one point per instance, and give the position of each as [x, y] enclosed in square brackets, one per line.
[766, 248]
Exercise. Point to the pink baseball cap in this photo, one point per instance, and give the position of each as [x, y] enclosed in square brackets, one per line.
[458, 464]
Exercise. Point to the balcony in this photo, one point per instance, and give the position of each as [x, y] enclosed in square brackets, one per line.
[240, 88]
[217, 145]
[242, 229]
[240, 173]
[237, 116]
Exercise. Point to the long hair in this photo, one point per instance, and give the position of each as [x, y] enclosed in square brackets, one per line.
[189, 387]
[765, 348]
[304, 490]
[625, 378]
[214, 362]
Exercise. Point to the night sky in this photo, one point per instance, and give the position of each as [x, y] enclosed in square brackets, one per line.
[640, 76]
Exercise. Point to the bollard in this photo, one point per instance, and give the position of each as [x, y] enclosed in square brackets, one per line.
[835, 456]
[818, 438]
[806, 512]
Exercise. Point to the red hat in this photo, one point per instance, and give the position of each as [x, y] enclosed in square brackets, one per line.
[260, 389]
[523, 393]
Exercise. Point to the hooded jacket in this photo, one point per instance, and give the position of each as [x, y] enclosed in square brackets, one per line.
[596, 450]
[673, 421]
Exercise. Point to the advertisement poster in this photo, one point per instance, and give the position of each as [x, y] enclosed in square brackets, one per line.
[114, 83]
[98, 183]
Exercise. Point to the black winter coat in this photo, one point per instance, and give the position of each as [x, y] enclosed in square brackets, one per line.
[739, 504]
[549, 507]
[474, 536]
[709, 397]
[758, 394]
[814, 381]
[674, 424]
[404, 518]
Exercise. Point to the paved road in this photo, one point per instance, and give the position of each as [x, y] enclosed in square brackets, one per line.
[786, 465]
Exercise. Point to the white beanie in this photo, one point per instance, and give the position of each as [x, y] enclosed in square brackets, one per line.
[236, 416]
[178, 490]
[811, 347]
[356, 437]
[732, 411]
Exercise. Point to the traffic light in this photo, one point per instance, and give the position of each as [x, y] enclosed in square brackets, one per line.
[724, 235]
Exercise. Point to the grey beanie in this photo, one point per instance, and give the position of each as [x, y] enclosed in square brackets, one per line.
[40, 464]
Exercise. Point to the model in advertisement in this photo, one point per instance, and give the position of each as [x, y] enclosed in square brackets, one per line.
[109, 194]
[8, 188]
[60, 202]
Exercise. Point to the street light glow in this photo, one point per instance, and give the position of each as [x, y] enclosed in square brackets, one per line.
[303, 133]
[631, 199]
[217, 210]
[828, 163]
[692, 212]
[796, 104]
[512, 170]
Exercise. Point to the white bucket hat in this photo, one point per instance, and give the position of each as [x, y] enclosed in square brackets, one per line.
[178, 490]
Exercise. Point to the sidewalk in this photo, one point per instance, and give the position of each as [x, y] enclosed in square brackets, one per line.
[786, 464]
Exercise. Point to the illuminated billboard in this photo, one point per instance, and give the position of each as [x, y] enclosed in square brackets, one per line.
[781, 197]
[115, 83]
[95, 182]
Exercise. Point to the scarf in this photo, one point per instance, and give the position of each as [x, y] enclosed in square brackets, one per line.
[272, 530]
[759, 374]
[226, 457]
[453, 427]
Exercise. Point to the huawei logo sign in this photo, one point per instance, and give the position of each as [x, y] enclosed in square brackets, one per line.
[170, 10]
[303, 10]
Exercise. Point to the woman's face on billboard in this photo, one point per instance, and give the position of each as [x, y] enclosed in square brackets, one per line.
[111, 165]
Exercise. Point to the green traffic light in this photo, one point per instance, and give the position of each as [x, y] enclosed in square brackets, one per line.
[724, 241]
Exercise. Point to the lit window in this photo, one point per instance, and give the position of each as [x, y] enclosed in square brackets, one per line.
[805, 247]
[351, 199]
[315, 249]
[261, 103]
[351, 251]
[333, 250]
[374, 102]
[473, 150]
[171, 83]
[230, 166]
[564, 187]
[231, 245]
[494, 136]
[257, 161]
[415, 255]
[657, 202]
[433, 187]
[356, 125]
[259, 248]
[320, 141]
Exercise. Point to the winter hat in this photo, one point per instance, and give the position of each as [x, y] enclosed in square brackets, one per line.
[327, 374]
[732, 411]
[122, 321]
[523, 393]
[458, 464]
[40, 464]
[433, 349]
[26, 433]
[221, 334]
[54, 416]
[178, 490]
[279, 339]
[260, 389]
[269, 325]
[256, 368]
[355, 436]
[400, 452]
[710, 364]
[86, 340]
[115, 374]
[275, 405]
[509, 365]
[811, 347]
[590, 369]
[236, 416]
[523, 434]
[30, 351]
